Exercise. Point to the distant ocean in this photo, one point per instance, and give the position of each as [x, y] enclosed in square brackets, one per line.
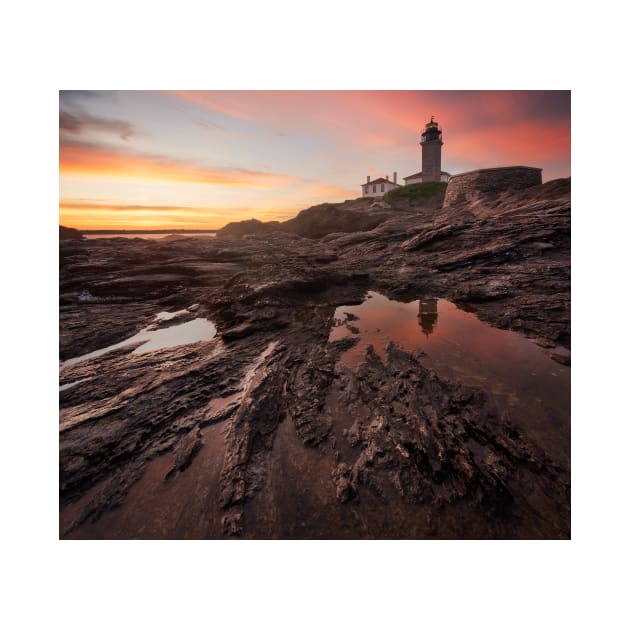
[151, 235]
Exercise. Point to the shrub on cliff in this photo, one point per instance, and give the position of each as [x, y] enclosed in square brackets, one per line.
[416, 191]
[324, 219]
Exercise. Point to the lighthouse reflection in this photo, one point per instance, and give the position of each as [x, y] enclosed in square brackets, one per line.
[517, 374]
[428, 314]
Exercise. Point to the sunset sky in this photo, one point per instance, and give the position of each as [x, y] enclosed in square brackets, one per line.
[201, 159]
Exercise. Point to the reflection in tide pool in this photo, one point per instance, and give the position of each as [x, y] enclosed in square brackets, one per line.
[199, 329]
[515, 371]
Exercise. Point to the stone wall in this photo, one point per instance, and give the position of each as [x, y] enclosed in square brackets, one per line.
[467, 186]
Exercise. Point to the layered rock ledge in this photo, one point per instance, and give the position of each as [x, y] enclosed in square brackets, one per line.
[466, 187]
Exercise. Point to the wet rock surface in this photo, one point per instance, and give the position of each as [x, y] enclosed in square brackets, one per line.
[261, 431]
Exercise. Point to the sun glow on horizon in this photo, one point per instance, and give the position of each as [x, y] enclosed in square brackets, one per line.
[84, 216]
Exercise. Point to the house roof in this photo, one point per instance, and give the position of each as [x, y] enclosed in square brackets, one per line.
[414, 175]
[380, 180]
[420, 174]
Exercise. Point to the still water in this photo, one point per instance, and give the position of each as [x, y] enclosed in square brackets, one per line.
[150, 235]
[199, 329]
[519, 375]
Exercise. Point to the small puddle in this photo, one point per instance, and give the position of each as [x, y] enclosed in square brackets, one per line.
[195, 330]
[518, 374]
[62, 388]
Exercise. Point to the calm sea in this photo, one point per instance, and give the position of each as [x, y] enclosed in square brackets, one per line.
[151, 235]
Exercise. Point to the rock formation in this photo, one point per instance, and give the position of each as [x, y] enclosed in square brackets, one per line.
[261, 431]
[66, 233]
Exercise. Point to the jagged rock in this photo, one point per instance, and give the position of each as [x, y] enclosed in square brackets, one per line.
[66, 233]
[346, 489]
[185, 450]
[236, 229]
[560, 357]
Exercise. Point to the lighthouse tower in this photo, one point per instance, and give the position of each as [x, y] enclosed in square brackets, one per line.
[431, 144]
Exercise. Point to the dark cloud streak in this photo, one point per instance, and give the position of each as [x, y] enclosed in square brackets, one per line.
[77, 123]
[493, 107]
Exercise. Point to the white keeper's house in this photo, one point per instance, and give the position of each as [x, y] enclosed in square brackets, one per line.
[380, 186]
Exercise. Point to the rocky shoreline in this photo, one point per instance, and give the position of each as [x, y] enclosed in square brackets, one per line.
[260, 432]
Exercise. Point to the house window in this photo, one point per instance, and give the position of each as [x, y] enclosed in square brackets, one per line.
[374, 188]
[382, 187]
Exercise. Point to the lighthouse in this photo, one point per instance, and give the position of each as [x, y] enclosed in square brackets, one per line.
[431, 144]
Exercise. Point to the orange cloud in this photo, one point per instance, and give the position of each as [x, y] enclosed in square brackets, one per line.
[85, 159]
[88, 206]
[355, 115]
[526, 142]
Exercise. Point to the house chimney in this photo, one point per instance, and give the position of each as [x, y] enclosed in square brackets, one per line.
[368, 181]
[387, 177]
[395, 176]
